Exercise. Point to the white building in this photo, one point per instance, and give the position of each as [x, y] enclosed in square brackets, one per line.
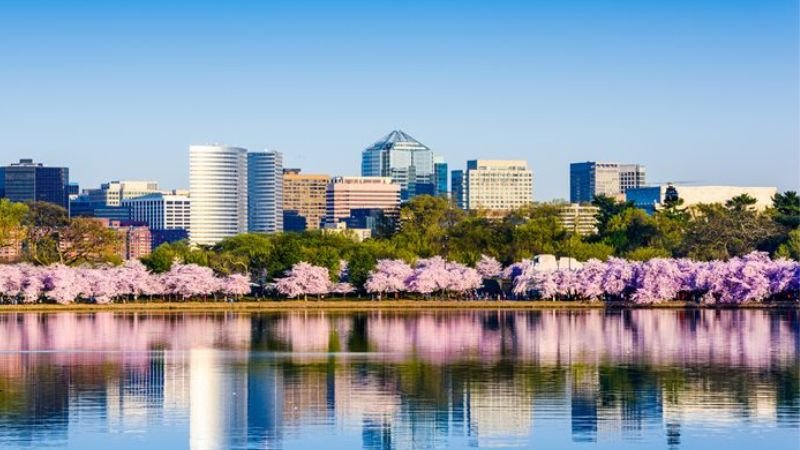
[114, 192]
[265, 191]
[652, 198]
[578, 218]
[497, 185]
[218, 183]
[161, 211]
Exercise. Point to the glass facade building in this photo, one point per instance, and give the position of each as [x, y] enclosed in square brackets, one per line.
[440, 176]
[27, 181]
[265, 191]
[403, 159]
[589, 179]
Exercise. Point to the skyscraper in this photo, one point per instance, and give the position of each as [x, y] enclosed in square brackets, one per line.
[265, 191]
[591, 178]
[457, 186]
[496, 185]
[27, 181]
[304, 197]
[403, 159]
[440, 176]
[218, 186]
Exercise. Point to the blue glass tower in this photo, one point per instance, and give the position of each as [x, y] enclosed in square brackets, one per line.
[405, 160]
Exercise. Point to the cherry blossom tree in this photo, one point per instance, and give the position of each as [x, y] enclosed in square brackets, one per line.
[489, 267]
[304, 279]
[389, 276]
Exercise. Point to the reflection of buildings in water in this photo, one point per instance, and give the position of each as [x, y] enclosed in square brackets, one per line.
[706, 405]
[265, 404]
[218, 401]
[501, 414]
[137, 395]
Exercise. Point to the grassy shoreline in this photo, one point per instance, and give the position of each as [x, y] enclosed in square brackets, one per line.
[363, 305]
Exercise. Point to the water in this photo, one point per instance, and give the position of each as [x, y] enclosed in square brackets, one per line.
[386, 380]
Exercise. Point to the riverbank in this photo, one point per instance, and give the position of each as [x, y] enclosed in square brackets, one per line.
[349, 304]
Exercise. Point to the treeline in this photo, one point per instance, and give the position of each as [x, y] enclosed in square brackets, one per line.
[44, 234]
[431, 226]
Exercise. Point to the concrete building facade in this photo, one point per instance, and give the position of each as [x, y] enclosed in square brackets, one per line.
[305, 195]
[161, 211]
[579, 218]
[345, 194]
[496, 185]
[114, 192]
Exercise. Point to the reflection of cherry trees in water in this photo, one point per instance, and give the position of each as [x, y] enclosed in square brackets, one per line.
[605, 371]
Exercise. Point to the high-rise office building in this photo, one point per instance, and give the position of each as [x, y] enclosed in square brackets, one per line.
[27, 181]
[496, 185]
[457, 186]
[345, 194]
[265, 191]
[304, 199]
[161, 211]
[218, 185]
[114, 192]
[403, 159]
[440, 173]
[591, 178]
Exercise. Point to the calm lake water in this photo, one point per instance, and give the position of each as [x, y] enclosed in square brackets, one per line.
[386, 380]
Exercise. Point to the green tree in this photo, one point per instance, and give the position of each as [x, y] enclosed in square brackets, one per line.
[787, 209]
[11, 221]
[88, 241]
[791, 247]
[741, 203]
[722, 232]
[608, 208]
[44, 222]
[424, 222]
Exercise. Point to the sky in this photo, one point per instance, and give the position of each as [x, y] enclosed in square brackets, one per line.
[700, 91]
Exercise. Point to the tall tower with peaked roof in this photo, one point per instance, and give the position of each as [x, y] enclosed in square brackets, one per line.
[405, 160]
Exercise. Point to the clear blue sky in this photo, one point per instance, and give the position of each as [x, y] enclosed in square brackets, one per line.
[698, 90]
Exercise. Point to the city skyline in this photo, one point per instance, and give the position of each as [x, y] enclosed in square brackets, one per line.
[661, 84]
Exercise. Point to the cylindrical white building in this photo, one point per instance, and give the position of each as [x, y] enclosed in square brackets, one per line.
[218, 187]
[265, 191]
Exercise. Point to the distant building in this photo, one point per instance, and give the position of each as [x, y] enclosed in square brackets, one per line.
[136, 238]
[365, 218]
[457, 186]
[496, 185]
[345, 194]
[440, 174]
[161, 211]
[73, 190]
[304, 195]
[114, 192]
[27, 181]
[651, 198]
[590, 179]
[82, 207]
[11, 248]
[579, 218]
[402, 158]
[167, 236]
[265, 191]
[293, 221]
[218, 185]
[358, 234]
